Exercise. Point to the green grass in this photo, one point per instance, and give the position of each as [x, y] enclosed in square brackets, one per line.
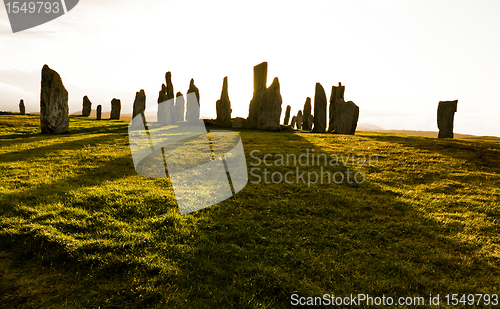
[80, 229]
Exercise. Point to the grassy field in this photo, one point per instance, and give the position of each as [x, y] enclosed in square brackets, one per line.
[80, 229]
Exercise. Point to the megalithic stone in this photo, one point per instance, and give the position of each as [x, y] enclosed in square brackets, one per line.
[445, 117]
[293, 122]
[192, 109]
[170, 86]
[179, 106]
[307, 116]
[346, 114]
[299, 120]
[319, 109]
[337, 93]
[22, 108]
[86, 106]
[270, 108]
[116, 107]
[259, 86]
[223, 107]
[287, 115]
[54, 110]
[98, 112]
[139, 103]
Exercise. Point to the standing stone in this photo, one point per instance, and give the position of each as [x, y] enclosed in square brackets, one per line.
[165, 107]
[179, 107]
[98, 112]
[259, 86]
[223, 107]
[54, 110]
[270, 108]
[116, 107]
[307, 120]
[287, 115]
[337, 93]
[22, 108]
[346, 117]
[139, 104]
[292, 123]
[445, 117]
[193, 103]
[239, 123]
[319, 109]
[170, 86]
[87, 107]
[299, 120]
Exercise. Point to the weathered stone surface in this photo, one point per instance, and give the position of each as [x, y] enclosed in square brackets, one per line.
[22, 108]
[116, 107]
[170, 86]
[270, 108]
[193, 103]
[98, 112]
[346, 115]
[223, 106]
[337, 93]
[319, 109]
[307, 117]
[54, 110]
[293, 122]
[259, 86]
[287, 115]
[180, 109]
[445, 117]
[239, 123]
[86, 106]
[161, 114]
[299, 119]
[139, 103]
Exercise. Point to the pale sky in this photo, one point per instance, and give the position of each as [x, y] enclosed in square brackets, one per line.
[397, 58]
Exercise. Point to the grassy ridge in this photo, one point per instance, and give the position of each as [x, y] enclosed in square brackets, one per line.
[79, 227]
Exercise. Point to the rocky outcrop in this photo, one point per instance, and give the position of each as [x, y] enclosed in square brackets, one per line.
[54, 110]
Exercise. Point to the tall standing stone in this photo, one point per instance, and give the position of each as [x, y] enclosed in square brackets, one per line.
[166, 107]
[22, 108]
[270, 108]
[116, 107]
[287, 115]
[337, 93]
[319, 109]
[307, 120]
[139, 103]
[179, 107]
[299, 120]
[54, 110]
[193, 103]
[445, 117]
[259, 86]
[293, 122]
[223, 107]
[346, 117]
[98, 112]
[86, 106]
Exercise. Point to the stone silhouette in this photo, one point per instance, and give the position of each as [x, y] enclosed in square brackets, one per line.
[270, 108]
[223, 107]
[287, 115]
[319, 109]
[259, 86]
[299, 120]
[161, 114]
[293, 122]
[346, 117]
[179, 107]
[22, 108]
[116, 107]
[307, 120]
[193, 108]
[239, 123]
[86, 106]
[337, 93]
[445, 116]
[54, 110]
[98, 112]
[139, 104]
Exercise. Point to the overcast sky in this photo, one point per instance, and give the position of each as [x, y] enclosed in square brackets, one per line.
[397, 58]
